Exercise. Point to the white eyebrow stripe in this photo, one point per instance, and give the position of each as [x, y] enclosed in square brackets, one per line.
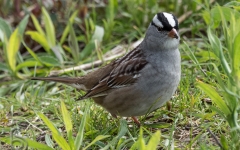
[170, 19]
[157, 22]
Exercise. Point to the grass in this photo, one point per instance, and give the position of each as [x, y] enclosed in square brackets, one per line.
[204, 112]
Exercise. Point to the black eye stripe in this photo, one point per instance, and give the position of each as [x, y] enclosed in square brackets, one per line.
[155, 25]
[165, 23]
[158, 28]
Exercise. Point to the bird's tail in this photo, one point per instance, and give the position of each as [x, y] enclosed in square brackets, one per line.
[74, 82]
[66, 80]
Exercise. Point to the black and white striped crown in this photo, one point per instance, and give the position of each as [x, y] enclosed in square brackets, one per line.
[165, 21]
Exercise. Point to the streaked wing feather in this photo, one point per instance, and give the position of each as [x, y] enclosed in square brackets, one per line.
[125, 72]
[96, 91]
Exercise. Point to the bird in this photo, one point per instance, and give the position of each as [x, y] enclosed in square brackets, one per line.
[140, 81]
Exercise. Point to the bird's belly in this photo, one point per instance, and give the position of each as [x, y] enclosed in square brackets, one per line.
[151, 91]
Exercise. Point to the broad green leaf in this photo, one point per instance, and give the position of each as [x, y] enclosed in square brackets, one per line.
[98, 34]
[66, 30]
[98, 138]
[31, 144]
[154, 141]
[67, 122]
[49, 124]
[22, 25]
[79, 138]
[61, 141]
[57, 51]
[12, 49]
[5, 29]
[97, 37]
[215, 97]
[28, 63]
[49, 60]
[41, 39]
[37, 25]
[50, 30]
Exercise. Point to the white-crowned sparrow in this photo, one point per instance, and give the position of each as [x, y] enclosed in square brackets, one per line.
[143, 79]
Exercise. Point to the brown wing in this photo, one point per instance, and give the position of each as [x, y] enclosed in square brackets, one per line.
[124, 73]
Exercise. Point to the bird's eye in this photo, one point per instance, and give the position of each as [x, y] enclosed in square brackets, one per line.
[159, 28]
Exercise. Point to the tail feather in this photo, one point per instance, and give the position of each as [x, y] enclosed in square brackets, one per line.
[74, 82]
[66, 80]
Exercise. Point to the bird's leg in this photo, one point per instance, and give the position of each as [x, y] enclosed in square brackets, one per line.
[169, 106]
[136, 121]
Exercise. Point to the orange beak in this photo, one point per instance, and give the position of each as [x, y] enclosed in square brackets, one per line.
[173, 34]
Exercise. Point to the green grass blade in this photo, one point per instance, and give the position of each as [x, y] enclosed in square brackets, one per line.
[55, 133]
[66, 30]
[123, 130]
[41, 39]
[37, 25]
[218, 50]
[74, 44]
[49, 140]
[50, 30]
[57, 52]
[140, 143]
[32, 53]
[98, 138]
[215, 97]
[79, 138]
[22, 25]
[154, 141]
[27, 63]
[49, 123]
[236, 57]
[12, 49]
[61, 141]
[68, 123]
[224, 142]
